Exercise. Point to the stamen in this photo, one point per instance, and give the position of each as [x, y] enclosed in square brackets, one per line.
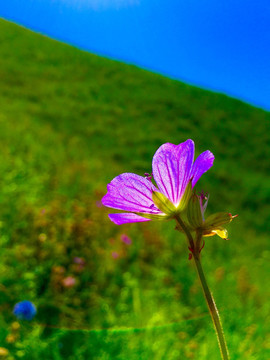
[203, 195]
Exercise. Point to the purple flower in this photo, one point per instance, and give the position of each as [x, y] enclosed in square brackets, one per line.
[78, 260]
[69, 281]
[173, 171]
[126, 239]
[99, 204]
[25, 310]
[115, 254]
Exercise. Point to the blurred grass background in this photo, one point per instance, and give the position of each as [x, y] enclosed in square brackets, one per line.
[69, 122]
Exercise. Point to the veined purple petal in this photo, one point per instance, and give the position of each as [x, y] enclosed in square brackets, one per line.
[125, 218]
[171, 169]
[131, 192]
[201, 165]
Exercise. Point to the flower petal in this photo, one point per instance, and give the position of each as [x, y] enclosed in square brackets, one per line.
[125, 218]
[171, 169]
[131, 192]
[223, 233]
[201, 165]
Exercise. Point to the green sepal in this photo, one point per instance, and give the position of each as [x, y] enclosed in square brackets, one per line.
[185, 198]
[153, 216]
[194, 212]
[216, 220]
[163, 203]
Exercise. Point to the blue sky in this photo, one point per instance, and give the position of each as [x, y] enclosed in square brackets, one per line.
[221, 45]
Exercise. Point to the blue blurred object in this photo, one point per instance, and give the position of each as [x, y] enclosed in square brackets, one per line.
[25, 310]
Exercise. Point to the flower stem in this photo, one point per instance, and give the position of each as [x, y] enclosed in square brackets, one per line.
[185, 229]
[195, 248]
[213, 310]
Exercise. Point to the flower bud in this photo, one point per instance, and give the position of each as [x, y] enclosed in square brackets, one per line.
[194, 212]
[216, 220]
[213, 224]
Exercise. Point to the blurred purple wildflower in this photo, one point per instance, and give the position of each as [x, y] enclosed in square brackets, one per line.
[115, 254]
[173, 169]
[78, 260]
[126, 239]
[99, 204]
[69, 281]
[79, 264]
[25, 310]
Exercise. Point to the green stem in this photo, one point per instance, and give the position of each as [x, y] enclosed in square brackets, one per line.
[207, 294]
[188, 234]
[213, 310]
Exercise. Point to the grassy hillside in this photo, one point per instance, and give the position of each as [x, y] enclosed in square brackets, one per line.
[69, 122]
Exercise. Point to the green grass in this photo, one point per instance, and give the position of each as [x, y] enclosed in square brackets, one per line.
[69, 122]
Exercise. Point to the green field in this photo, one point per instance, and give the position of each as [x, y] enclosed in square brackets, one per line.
[69, 122]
